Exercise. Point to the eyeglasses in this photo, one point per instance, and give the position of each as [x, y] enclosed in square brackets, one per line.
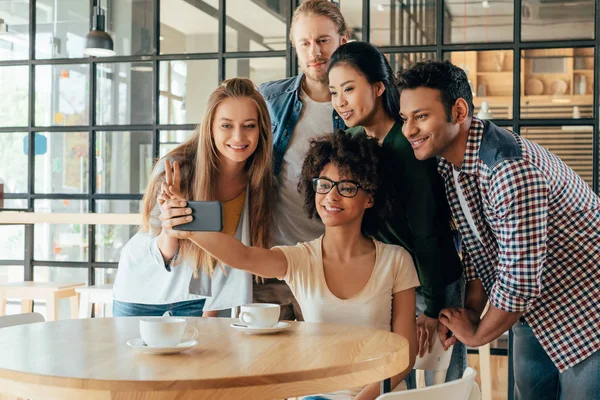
[344, 188]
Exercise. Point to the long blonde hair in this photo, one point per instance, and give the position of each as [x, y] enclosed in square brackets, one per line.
[199, 163]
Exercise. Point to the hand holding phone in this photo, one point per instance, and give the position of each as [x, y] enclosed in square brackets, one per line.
[207, 217]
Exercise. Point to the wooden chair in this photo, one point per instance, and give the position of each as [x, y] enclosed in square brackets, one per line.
[100, 296]
[461, 389]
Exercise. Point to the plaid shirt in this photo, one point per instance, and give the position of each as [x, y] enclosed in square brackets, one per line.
[539, 224]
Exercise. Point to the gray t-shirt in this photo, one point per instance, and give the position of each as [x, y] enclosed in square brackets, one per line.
[291, 222]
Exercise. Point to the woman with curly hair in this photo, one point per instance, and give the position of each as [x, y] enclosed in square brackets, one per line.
[344, 276]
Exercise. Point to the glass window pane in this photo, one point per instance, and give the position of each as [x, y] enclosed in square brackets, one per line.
[490, 75]
[129, 23]
[352, 11]
[185, 87]
[57, 242]
[171, 139]
[259, 70]
[105, 276]
[123, 161]
[14, 40]
[12, 273]
[14, 102]
[573, 144]
[60, 242]
[556, 20]
[13, 168]
[265, 30]
[63, 167]
[13, 204]
[188, 27]
[403, 24]
[124, 93]
[110, 239]
[60, 275]
[61, 27]
[557, 83]
[61, 95]
[402, 61]
[118, 206]
[12, 245]
[478, 21]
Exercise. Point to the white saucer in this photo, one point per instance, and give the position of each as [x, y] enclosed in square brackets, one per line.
[280, 326]
[142, 347]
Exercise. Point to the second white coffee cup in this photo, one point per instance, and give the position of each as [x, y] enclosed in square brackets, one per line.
[165, 331]
[259, 315]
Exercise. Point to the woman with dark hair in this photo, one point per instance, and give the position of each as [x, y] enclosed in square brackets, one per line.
[364, 94]
[342, 277]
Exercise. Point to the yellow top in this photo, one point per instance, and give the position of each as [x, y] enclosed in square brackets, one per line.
[232, 210]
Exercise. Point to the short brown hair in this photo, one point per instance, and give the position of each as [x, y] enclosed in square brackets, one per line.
[322, 8]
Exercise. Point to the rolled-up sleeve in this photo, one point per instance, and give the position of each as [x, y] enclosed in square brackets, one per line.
[520, 192]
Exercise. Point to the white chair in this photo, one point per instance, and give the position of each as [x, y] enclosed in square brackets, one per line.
[100, 295]
[437, 361]
[20, 319]
[464, 388]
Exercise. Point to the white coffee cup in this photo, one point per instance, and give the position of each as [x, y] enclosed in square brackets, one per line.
[259, 315]
[165, 331]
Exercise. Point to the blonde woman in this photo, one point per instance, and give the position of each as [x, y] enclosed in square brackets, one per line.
[228, 159]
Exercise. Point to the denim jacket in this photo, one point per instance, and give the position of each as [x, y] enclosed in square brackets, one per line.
[285, 106]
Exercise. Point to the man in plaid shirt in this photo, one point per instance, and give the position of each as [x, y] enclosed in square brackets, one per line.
[530, 230]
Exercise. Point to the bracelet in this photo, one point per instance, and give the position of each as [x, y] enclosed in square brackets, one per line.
[168, 262]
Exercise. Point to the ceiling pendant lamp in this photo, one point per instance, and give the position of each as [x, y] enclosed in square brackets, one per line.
[98, 43]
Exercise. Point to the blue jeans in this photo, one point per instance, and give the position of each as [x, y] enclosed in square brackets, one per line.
[192, 308]
[455, 294]
[537, 378]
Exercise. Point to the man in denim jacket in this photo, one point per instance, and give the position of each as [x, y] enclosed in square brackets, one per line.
[300, 109]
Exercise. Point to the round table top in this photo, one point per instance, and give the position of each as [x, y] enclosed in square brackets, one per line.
[92, 354]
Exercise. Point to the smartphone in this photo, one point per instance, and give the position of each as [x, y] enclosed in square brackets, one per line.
[208, 217]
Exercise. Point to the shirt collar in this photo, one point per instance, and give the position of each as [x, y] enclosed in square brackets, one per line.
[295, 87]
[469, 165]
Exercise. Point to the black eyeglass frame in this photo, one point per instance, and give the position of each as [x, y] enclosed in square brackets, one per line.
[336, 185]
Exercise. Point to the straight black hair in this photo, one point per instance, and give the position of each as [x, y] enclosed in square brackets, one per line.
[372, 64]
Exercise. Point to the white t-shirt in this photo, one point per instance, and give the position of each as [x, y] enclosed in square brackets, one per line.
[464, 205]
[142, 276]
[394, 272]
[291, 223]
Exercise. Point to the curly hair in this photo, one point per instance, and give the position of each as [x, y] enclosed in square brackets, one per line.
[359, 156]
[450, 80]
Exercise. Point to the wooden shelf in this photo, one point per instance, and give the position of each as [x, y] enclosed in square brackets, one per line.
[495, 73]
[580, 71]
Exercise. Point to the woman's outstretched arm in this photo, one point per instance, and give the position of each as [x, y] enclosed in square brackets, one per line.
[225, 248]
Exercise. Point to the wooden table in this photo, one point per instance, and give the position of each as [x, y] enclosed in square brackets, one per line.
[88, 358]
[52, 292]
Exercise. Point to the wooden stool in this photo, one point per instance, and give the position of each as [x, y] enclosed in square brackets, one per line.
[95, 295]
[51, 292]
